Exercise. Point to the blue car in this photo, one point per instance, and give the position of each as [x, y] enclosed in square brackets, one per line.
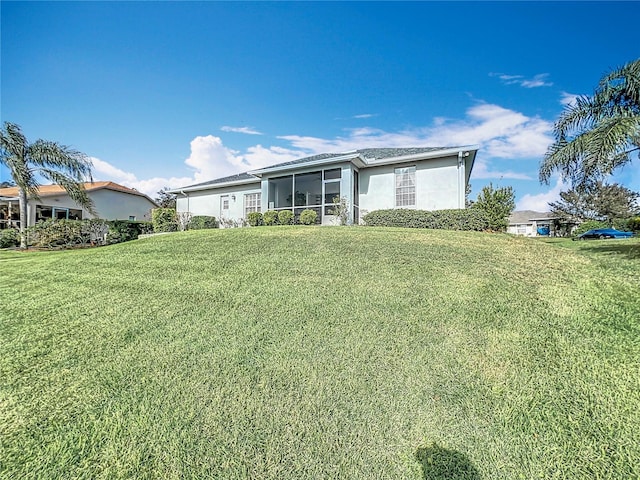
[602, 233]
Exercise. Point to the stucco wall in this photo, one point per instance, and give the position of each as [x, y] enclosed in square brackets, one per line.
[109, 205]
[436, 185]
[113, 205]
[208, 202]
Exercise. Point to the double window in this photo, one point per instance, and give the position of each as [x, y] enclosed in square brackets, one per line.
[251, 203]
[405, 186]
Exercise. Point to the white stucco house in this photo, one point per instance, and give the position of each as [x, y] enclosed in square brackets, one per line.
[531, 224]
[111, 200]
[369, 179]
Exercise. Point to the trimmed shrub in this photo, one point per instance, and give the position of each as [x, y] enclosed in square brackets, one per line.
[285, 217]
[468, 219]
[270, 217]
[254, 219]
[202, 222]
[308, 217]
[9, 237]
[164, 220]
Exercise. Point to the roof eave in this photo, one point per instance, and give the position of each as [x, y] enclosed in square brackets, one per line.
[196, 188]
[355, 157]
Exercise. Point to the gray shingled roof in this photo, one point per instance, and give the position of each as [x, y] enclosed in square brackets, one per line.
[377, 153]
[369, 153]
[524, 216]
[231, 178]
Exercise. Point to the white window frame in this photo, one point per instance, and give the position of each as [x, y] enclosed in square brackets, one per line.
[405, 186]
[252, 203]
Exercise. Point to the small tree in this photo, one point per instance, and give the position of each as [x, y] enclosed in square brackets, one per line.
[497, 204]
[183, 219]
[597, 201]
[165, 199]
[340, 209]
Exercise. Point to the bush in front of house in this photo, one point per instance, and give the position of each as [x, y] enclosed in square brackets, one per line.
[56, 234]
[308, 217]
[164, 220]
[254, 219]
[468, 219]
[9, 237]
[126, 230]
[270, 217]
[202, 222]
[285, 217]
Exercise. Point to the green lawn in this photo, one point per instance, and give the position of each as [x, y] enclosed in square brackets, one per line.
[303, 353]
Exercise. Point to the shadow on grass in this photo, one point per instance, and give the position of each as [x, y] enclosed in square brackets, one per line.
[629, 250]
[442, 464]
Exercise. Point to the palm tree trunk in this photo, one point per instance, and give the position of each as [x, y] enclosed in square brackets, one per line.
[22, 196]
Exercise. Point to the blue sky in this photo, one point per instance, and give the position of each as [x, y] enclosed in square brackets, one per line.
[173, 93]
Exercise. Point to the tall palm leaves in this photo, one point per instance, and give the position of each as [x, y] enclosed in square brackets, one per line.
[597, 134]
[28, 162]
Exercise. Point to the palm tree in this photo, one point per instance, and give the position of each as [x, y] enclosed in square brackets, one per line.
[597, 134]
[27, 162]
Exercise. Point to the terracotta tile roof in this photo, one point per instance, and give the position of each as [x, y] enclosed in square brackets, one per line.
[48, 190]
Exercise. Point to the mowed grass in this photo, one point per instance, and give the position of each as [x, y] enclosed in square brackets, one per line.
[290, 353]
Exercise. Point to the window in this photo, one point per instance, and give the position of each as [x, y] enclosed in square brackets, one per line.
[405, 186]
[132, 218]
[251, 203]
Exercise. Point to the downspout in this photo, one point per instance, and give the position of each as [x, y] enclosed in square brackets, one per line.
[461, 185]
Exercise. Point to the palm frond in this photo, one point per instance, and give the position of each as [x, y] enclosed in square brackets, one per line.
[597, 134]
[47, 154]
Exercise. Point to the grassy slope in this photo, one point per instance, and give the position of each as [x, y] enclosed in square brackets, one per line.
[321, 353]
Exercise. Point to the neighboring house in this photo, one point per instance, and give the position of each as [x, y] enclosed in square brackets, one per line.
[111, 201]
[532, 224]
[368, 179]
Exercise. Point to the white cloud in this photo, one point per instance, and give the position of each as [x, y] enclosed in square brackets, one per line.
[482, 171]
[211, 159]
[246, 130]
[540, 202]
[567, 98]
[539, 80]
[364, 115]
[104, 171]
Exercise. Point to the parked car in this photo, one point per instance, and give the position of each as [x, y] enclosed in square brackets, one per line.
[602, 233]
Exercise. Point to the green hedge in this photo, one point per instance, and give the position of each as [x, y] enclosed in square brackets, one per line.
[164, 220]
[126, 230]
[202, 222]
[469, 219]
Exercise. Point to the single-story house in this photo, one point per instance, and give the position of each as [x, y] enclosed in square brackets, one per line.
[368, 179]
[532, 224]
[111, 202]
